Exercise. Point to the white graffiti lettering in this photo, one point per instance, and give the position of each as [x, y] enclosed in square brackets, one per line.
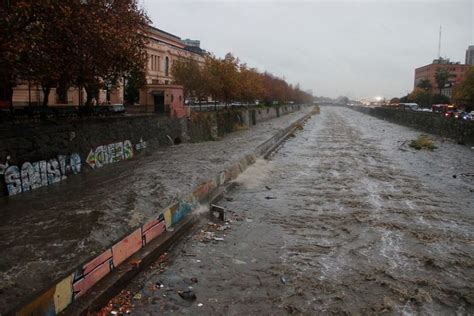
[141, 145]
[41, 173]
[4, 166]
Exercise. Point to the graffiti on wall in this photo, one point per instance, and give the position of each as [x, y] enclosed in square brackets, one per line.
[141, 145]
[107, 154]
[45, 172]
[41, 173]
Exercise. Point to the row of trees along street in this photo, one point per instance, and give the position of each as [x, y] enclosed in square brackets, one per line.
[93, 44]
[426, 95]
[83, 43]
[228, 80]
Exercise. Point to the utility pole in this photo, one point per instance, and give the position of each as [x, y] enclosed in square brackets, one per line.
[439, 43]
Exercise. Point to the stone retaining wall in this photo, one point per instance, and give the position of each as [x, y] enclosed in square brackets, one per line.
[434, 123]
[37, 154]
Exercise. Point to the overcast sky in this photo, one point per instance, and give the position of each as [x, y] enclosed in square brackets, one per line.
[352, 48]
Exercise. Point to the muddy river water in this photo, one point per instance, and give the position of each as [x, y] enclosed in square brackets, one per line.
[343, 218]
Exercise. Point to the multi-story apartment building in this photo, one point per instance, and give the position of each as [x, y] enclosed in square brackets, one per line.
[456, 74]
[470, 55]
[163, 49]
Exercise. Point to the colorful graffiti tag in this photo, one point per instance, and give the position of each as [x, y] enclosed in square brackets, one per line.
[41, 173]
[107, 154]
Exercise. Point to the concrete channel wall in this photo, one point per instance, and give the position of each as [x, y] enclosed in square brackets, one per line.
[434, 123]
[73, 284]
[36, 154]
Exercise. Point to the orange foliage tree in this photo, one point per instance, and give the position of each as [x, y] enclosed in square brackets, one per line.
[227, 80]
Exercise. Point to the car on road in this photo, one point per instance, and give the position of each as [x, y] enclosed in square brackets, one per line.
[116, 108]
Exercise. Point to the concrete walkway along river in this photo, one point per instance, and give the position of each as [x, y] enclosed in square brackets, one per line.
[344, 218]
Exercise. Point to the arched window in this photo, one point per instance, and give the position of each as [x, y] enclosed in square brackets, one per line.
[167, 66]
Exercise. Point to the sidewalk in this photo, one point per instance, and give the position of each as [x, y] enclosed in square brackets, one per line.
[54, 228]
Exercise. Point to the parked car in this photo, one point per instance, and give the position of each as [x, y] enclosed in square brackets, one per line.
[467, 116]
[116, 108]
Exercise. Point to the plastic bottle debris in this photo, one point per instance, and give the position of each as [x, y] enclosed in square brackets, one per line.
[187, 295]
[267, 187]
[159, 284]
[200, 304]
[284, 279]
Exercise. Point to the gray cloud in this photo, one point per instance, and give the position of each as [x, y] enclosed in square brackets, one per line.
[354, 48]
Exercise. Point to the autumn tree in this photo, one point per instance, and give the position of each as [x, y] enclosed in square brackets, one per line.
[61, 43]
[441, 77]
[464, 92]
[421, 97]
[189, 73]
[112, 45]
[424, 84]
[16, 19]
[394, 101]
[134, 80]
[227, 80]
[251, 86]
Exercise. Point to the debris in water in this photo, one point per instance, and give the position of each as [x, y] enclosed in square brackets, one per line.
[270, 197]
[200, 304]
[422, 142]
[229, 199]
[284, 279]
[267, 187]
[137, 296]
[454, 176]
[237, 261]
[194, 280]
[159, 284]
[187, 295]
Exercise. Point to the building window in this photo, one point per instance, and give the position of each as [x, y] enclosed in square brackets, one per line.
[172, 97]
[159, 64]
[167, 66]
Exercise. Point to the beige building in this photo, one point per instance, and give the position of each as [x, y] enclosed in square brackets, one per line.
[163, 50]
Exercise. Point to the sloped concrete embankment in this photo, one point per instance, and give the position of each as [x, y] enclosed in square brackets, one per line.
[433, 123]
[79, 291]
[39, 153]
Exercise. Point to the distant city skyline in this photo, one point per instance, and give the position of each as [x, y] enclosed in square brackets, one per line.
[352, 48]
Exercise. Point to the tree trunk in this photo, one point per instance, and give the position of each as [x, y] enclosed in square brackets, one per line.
[10, 95]
[89, 94]
[46, 90]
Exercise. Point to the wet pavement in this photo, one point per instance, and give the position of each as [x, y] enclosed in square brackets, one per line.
[53, 229]
[345, 218]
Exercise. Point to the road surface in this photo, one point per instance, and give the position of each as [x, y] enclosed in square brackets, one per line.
[344, 218]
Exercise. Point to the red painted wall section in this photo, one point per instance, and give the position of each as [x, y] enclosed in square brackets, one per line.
[88, 267]
[93, 271]
[178, 109]
[127, 247]
[81, 286]
[154, 231]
